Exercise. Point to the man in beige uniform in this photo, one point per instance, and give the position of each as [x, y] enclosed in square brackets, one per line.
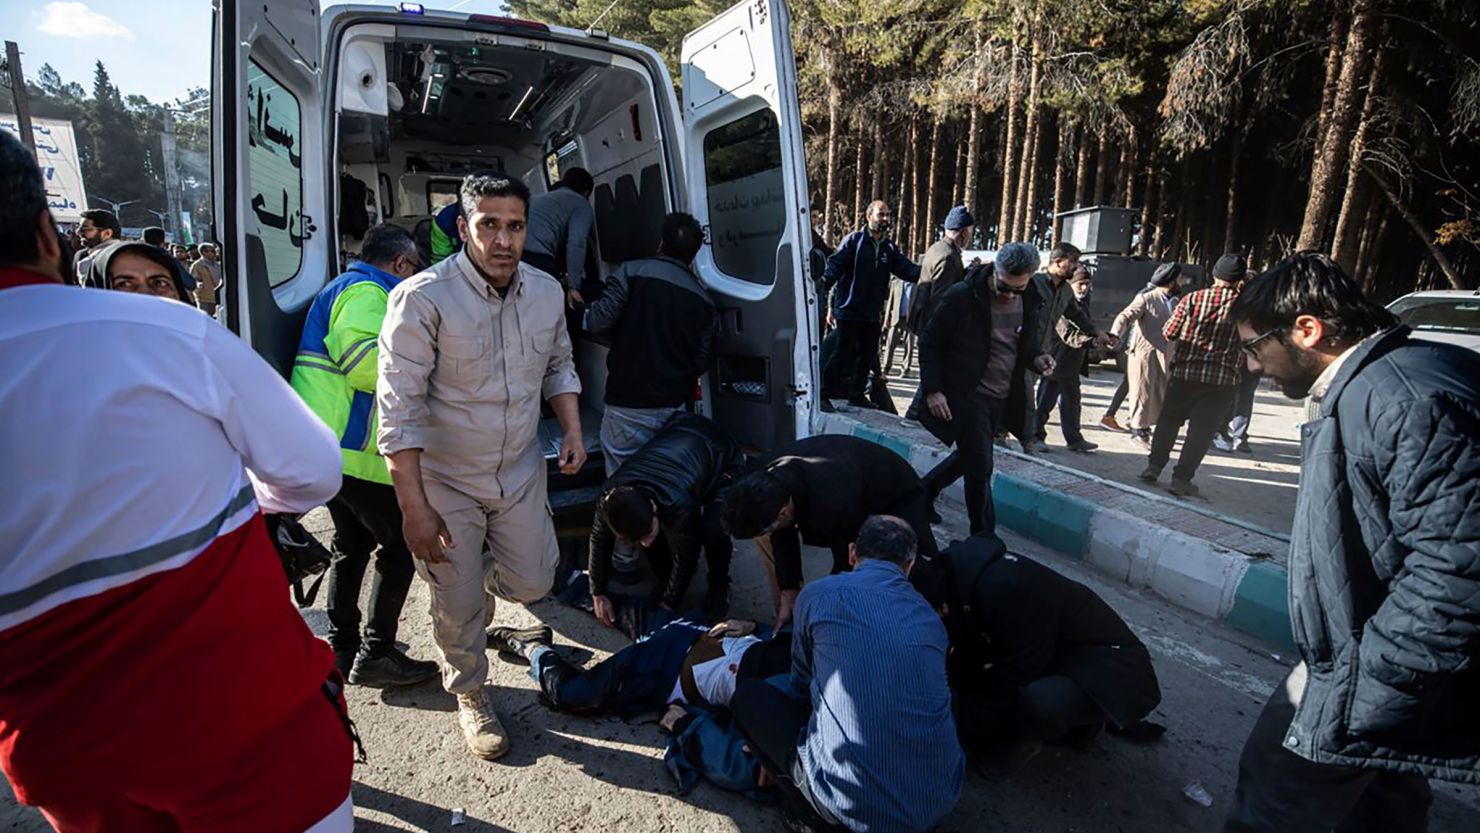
[466, 352]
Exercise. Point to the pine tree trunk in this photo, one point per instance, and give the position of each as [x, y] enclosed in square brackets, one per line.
[1344, 243]
[857, 185]
[973, 150]
[1441, 260]
[1009, 168]
[958, 175]
[1158, 241]
[1330, 162]
[1029, 156]
[1060, 162]
[1370, 218]
[876, 183]
[929, 195]
[1334, 50]
[829, 192]
[907, 167]
[1230, 219]
[1372, 256]
[1103, 150]
[1149, 208]
[1128, 169]
[1028, 184]
[1182, 209]
[1081, 169]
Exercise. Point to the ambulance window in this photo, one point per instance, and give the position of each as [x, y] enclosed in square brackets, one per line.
[747, 196]
[275, 172]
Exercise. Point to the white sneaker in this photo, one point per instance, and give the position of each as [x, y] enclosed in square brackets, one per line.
[1222, 443]
[480, 726]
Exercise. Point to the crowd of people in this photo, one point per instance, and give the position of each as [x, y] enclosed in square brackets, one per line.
[145, 444]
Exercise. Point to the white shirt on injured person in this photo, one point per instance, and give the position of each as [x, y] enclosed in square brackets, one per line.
[715, 679]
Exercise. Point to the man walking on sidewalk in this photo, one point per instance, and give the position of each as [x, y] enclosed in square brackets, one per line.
[1063, 320]
[858, 273]
[467, 352]
[940, 269]
[1384, 563]
[1143, 320]
[975, 355]
[335, 374]
[1204, 373]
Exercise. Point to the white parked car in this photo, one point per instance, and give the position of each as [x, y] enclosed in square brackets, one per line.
[1449, 315]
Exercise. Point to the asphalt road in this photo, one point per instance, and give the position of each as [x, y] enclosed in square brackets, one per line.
[570, 774]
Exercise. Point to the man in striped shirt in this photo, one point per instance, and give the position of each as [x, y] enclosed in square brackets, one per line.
[865, 740]
[1204, 376]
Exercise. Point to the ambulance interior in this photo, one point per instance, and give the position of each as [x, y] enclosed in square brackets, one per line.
[417, 112]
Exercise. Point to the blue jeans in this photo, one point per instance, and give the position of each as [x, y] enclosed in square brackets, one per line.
[1066, 394]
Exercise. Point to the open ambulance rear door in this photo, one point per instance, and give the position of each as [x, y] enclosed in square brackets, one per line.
[746, 182]
[270, 171]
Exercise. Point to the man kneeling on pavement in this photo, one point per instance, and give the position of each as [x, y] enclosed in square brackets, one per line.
[667, 499]
[1035, 657]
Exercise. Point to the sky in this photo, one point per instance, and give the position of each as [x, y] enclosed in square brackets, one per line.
[159, 49]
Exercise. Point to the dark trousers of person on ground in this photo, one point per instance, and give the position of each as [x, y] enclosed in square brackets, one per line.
[1203, 407]
[1066, 394]
[1281, 792]
[976, 425]
[366, 514]
[772, 721]
[847, 372]
[1045, 710]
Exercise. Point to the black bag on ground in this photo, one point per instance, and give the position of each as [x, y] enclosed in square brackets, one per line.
[302, 556]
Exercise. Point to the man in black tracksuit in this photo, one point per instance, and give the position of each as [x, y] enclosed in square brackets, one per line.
[667, 497]
[819, 491]
[1384, 563]
[1035, 656]
[661, 324]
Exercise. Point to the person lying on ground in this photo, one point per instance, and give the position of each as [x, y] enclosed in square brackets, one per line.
[682, 662]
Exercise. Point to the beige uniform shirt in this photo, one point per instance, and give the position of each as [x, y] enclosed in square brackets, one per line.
[462, 372]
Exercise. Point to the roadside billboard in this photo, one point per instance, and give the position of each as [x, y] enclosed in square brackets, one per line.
[56, 152]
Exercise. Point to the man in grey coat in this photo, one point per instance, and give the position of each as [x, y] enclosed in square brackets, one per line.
[1384, 563]
[940, 269]
[561, 222]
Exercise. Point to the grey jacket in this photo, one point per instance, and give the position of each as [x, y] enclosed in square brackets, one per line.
[1385, 563]
[560, 223]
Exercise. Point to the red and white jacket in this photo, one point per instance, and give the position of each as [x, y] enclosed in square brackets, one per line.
[144, 619]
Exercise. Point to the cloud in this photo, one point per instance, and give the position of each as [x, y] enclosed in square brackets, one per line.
[76, 20]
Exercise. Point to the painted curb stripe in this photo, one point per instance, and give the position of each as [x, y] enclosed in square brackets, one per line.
[1257, 606]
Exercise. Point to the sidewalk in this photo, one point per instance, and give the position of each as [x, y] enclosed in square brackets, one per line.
[1193, 554]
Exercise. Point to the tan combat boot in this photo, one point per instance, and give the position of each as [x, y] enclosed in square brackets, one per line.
[480, 725]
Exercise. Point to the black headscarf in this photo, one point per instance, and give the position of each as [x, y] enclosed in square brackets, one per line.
[97, 266]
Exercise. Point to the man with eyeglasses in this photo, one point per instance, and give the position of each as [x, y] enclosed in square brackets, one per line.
[335, 373]
[1204, 376]
[975, 353]
[1384, 563]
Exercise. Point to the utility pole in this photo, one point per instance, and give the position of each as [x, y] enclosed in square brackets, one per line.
[18, 93]
[171, 177]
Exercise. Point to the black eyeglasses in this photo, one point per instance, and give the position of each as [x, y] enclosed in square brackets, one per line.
[1249, 347]
[1004, 288]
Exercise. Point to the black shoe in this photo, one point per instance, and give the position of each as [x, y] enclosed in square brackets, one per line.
[716, 603]
[1150, 475]
[826, 406]
[1184, 488]
[1243, 447]
[508, 640]
[1083, 446]
[344, 662]
[390, 670]
[1083, 736]
[860, 402]
[931, 513]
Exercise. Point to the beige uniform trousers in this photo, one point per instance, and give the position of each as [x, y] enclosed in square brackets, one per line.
[518, 564]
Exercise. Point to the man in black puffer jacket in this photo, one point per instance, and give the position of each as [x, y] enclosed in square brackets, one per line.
[1384, 563]
[668, 497]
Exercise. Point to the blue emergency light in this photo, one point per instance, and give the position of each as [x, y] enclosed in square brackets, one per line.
[411, 8]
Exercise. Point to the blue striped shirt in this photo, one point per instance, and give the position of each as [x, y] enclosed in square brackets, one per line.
[880, 750]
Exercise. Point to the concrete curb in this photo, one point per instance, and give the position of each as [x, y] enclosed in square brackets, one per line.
[1246, 592]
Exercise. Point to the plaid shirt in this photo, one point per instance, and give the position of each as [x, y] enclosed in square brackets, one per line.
[1204, 339]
